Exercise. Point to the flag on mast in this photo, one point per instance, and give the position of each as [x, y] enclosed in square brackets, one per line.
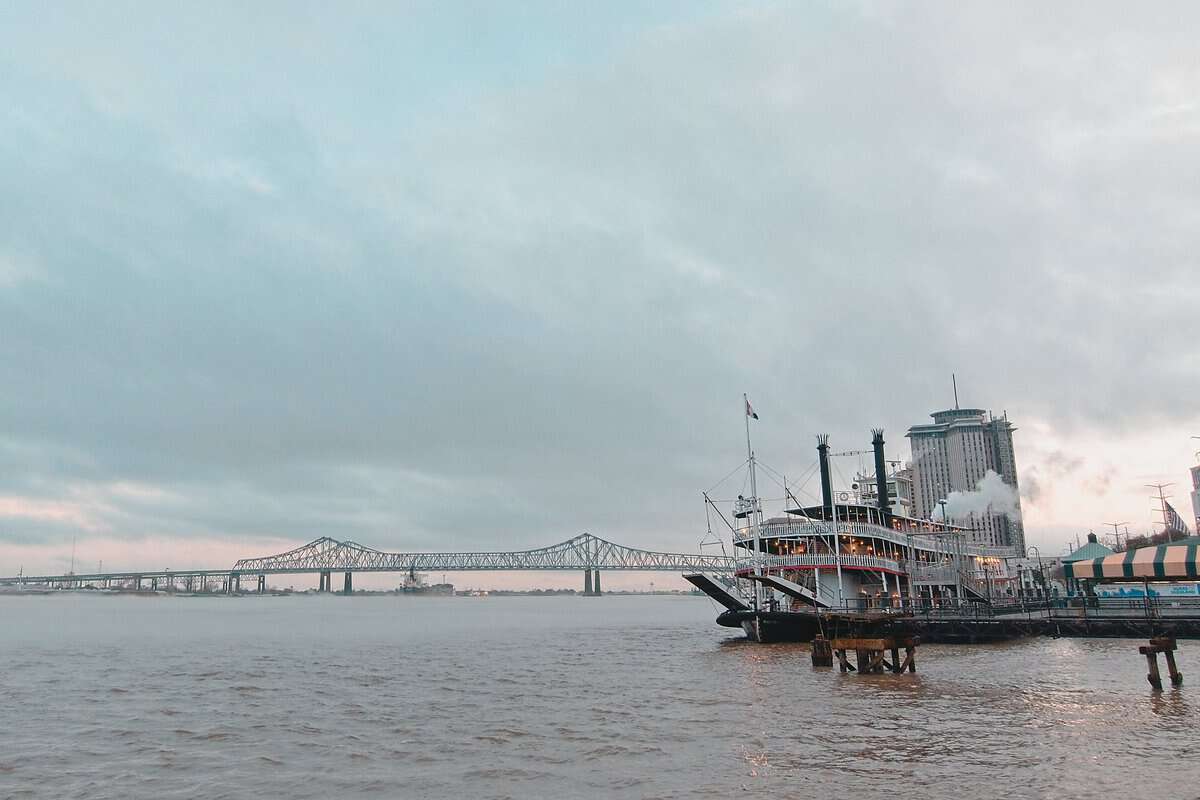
[749, 411]
[1174, 522]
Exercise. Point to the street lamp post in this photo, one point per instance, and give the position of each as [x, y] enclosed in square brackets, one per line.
[957, 556]
[1041, 571]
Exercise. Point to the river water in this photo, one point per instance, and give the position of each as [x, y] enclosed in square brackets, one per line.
[524, 697]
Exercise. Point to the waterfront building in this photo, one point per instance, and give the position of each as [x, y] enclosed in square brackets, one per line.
[1039, 577]
[1196, 496]
[953, 454]
[1089, 551]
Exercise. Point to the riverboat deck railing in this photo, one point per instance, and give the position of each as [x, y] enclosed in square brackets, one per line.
[1065, 608]
[941, 543]
[822, 560]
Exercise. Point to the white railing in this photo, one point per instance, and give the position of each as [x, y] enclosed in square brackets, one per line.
[942, 543]
[936, 575]
[824, 560]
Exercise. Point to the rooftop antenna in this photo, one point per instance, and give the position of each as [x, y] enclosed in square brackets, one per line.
[1117, 534]
[1162, 500]
[954, 382]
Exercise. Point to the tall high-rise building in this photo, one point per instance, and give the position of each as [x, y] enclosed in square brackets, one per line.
[953, 454]
[1196, 496]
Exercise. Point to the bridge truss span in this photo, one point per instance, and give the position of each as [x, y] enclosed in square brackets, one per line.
[582, 552]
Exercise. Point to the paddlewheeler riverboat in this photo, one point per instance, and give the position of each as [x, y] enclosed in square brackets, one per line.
[840, 557]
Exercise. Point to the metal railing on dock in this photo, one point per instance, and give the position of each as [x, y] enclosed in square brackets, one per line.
[1075, 607]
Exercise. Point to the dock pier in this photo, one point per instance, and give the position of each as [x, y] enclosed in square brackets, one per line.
[869, 654]
[1166, 646]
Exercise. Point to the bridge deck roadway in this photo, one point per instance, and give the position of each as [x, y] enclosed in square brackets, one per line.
[326, 555]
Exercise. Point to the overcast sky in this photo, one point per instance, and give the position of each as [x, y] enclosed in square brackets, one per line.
[474, 276]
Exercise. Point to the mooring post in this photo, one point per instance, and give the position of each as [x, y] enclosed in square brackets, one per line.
[897, 666]
[1152, 665]
[822, 652]
[1172, 670]
[1166, 646]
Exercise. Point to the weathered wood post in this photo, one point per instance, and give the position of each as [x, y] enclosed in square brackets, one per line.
[1165, 645]
[1152, 665]
[1172, 670]
[822, 652]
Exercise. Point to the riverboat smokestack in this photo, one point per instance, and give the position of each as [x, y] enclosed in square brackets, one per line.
[826, 485]
[881, 486]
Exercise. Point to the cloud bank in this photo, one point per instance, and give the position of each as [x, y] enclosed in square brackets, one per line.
[443, 280]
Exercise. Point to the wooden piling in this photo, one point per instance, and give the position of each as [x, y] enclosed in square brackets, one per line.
[822, 652]
[1152, 667]
[1166, 646]
[1176, 675]
[869, 654]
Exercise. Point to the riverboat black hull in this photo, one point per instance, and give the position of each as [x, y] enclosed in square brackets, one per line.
[798, 626]
[773, 626]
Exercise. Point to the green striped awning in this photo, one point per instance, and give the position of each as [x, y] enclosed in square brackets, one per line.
[1164, 562]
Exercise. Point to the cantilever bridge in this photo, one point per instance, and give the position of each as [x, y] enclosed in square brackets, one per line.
[325, 556]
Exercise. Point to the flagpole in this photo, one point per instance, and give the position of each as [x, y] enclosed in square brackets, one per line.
[753, 502]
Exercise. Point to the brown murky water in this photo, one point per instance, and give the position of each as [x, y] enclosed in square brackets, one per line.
[638, 697]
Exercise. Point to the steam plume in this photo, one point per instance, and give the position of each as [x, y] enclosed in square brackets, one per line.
[991, 495]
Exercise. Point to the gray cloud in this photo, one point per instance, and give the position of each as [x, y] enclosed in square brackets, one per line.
[259, 270]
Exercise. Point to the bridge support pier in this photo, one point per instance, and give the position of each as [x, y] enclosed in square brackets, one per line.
[591, 583]
[262, 584]
[348, 584]
[326, 582]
